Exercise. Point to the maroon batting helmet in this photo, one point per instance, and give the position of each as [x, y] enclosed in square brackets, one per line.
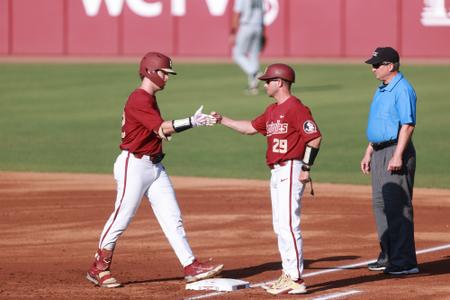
[151, 63]
[278, 71]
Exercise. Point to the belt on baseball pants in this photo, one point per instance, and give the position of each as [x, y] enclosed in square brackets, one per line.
[279, 164]
[382, 145]
[155, 158]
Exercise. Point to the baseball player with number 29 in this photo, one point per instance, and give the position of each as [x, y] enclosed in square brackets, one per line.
[293, 141]
[138, 171]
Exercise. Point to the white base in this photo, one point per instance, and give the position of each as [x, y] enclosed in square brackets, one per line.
[218, 284]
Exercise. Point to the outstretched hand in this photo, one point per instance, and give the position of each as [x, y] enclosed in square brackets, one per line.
[216, 116]
[201, 119]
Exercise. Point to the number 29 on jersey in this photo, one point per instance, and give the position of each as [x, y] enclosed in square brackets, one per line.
[279, 146]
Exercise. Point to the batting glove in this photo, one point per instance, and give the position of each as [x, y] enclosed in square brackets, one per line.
[201, 119]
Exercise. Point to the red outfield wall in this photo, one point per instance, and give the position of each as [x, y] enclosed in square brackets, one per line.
[296, 28]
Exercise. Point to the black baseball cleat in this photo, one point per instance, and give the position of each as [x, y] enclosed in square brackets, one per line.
[401, 271]
[377, 266]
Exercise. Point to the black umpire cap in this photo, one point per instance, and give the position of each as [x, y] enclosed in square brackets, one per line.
[384, 54]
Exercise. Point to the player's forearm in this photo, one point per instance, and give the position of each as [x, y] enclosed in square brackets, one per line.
[241, 126]
[170, 127]
[315, 143]
[167, 128]
[311, 151]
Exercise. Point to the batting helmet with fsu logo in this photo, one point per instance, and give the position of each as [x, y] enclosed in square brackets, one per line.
[278, 71]
[151, 63]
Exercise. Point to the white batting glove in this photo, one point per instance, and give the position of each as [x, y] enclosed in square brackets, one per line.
[201, 119]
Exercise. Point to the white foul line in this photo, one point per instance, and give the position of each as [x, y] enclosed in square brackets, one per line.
[337, 295]
[433, 249]
[204, 296]
[339, 268]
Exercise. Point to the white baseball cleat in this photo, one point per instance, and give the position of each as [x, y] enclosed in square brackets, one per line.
[268, 285]
[285, 285]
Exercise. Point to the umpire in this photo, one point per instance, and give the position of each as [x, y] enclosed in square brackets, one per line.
[391, 158]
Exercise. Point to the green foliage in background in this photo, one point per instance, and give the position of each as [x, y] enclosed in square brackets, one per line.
[67, 118]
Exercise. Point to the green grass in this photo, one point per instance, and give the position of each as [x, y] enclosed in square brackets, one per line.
[66, 118]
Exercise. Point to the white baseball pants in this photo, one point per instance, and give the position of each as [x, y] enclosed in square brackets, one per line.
[247, 48]
[138, 177]
[286, 192]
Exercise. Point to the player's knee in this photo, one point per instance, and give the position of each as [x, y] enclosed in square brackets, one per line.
[238, 54]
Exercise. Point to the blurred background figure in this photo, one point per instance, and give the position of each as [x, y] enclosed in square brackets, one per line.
[248, 38]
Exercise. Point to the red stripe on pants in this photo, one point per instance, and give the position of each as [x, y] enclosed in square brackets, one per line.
[121, 199]
[290, 218]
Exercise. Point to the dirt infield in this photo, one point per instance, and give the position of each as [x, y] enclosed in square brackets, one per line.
[50, 225]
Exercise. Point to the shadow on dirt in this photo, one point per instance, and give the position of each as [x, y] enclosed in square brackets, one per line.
[433, 268]
[273, 266]
[152, 280]
[250, 271]
[310, 262]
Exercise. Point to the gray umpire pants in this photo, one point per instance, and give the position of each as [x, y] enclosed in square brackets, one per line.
[392, 204]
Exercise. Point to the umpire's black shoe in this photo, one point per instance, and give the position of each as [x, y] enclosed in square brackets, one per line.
[377, 266]
[401, 271]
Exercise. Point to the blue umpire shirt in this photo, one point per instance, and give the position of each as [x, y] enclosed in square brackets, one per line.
[393, 105]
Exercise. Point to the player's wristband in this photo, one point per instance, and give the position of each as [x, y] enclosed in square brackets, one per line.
[182, 124]
[306, 168]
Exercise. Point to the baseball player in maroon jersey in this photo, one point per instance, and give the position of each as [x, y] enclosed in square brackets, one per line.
[293, 141]
[138, 171]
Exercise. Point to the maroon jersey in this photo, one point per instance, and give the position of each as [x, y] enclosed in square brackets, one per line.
[289, 127]
[140, 123]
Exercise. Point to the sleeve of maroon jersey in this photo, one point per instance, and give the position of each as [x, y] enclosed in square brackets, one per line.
[307, 125]
[146, 113]
[259, 123]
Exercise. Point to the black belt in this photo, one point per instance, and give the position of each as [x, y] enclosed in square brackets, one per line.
[382, 145]
[155, 158]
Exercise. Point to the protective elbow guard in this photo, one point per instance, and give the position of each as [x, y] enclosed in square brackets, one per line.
[310, 155]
